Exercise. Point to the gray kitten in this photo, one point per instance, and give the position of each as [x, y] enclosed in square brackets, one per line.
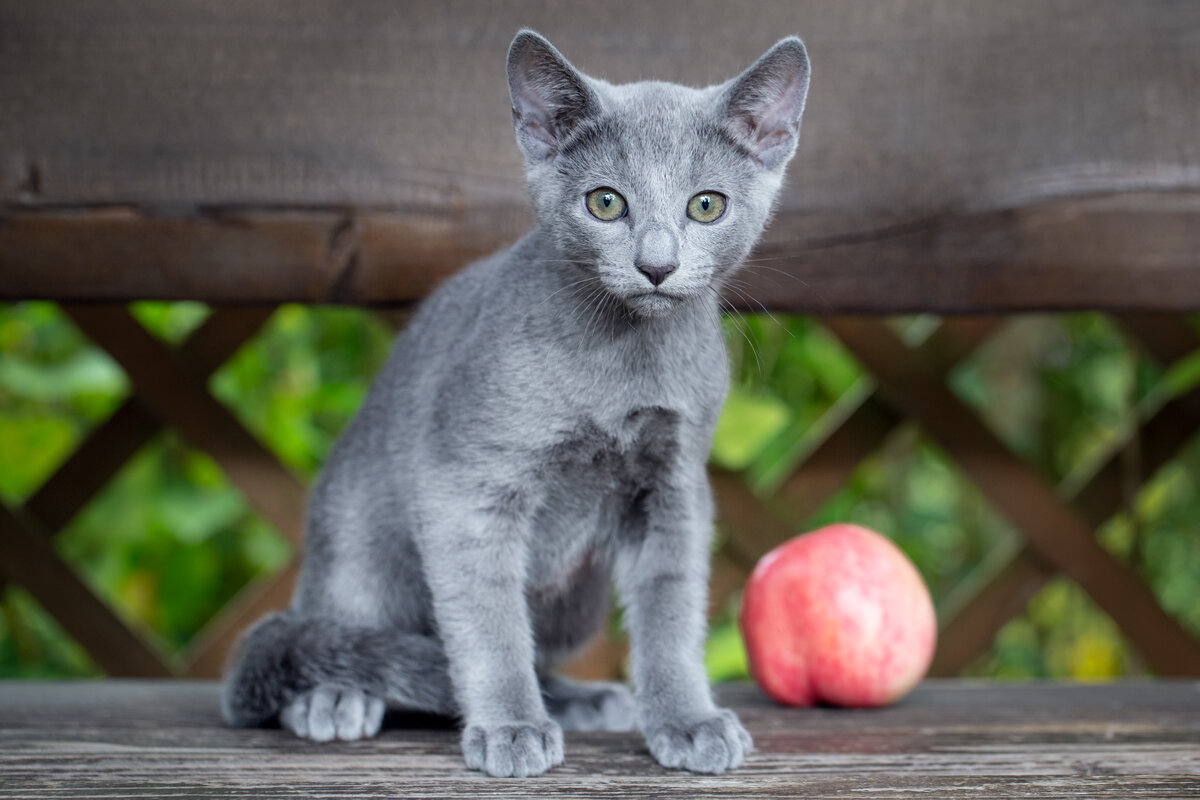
[539, 433]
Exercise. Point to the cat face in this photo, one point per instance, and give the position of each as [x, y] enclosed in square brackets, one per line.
[655, 190]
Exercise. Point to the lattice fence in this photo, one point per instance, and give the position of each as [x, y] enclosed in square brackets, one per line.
[170, 390]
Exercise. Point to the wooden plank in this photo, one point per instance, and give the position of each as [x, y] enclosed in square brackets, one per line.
[358, 151]
[948, 739]
[27, 558]
[1052, 529]
[177, 393]
[233, 258]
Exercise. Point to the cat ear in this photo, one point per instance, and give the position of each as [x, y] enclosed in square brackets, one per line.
[764, 103]
[549, 96]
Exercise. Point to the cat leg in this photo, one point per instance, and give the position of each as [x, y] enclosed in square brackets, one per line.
[475, 562]
[662, 577]
[564, 621]
[589, 705]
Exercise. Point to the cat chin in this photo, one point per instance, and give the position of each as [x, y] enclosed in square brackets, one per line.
[654, 304]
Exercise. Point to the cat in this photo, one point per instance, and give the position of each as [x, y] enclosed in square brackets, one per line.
[539, 433]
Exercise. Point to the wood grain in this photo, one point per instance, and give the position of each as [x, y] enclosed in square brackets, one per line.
[955, 156]
[947, 740]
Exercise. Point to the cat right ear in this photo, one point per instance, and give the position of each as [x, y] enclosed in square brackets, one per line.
[764, 104]
[549, 96]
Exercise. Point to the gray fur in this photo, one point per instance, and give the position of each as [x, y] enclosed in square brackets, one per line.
[540, 432]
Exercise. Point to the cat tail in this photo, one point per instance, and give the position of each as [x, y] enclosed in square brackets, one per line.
[285, 655]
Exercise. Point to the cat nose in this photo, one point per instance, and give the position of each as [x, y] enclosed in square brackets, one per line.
[657, 253]
[656, 273]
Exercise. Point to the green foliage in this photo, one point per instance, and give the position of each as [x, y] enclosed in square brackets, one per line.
[169, 541]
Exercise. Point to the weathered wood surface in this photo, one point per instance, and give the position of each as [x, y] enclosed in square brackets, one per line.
[956, 156]
[948, 740]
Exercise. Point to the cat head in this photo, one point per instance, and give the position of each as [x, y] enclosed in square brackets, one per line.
[657, 190]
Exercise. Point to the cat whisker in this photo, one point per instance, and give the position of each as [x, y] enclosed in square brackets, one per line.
[599, 296]
[739, 327]
[547, 299]
[743, 292]
[757, 265]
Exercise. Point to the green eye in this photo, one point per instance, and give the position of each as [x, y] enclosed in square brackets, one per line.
[707, 206]
[605, 204]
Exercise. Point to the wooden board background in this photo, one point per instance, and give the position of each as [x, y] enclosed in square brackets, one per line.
[957, 155]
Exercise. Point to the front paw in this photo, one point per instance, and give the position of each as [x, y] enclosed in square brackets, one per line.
[513, 749]
[711, 744]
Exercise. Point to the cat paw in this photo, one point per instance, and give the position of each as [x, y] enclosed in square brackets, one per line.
[328, 713]
[514, 749]
[591, 706]
[713, 744]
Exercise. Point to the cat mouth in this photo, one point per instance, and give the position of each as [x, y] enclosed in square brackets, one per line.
[654, 303]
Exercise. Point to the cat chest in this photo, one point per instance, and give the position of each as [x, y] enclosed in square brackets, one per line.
[634, 453]
[595, 481]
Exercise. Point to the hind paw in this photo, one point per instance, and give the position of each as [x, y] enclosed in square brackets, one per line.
[589, 705]
[327, 713]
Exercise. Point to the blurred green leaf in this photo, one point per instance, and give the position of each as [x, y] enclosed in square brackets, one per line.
[747, 424]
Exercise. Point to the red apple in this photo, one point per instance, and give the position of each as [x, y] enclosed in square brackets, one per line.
[838, 616]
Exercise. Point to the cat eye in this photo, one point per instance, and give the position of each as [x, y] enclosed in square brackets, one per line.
[606, 204]
[707, 206]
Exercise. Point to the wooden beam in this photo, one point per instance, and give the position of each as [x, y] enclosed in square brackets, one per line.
[244, 157]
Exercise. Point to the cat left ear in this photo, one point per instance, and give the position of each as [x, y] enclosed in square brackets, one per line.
[764, 104]
[549, 96]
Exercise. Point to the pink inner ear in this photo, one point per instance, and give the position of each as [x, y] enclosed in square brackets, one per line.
[782, 113]
[772, 122]
[537, 139]
[531, 117]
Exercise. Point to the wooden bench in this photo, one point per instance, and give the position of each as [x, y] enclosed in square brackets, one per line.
[969, 160]
[947, 740]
